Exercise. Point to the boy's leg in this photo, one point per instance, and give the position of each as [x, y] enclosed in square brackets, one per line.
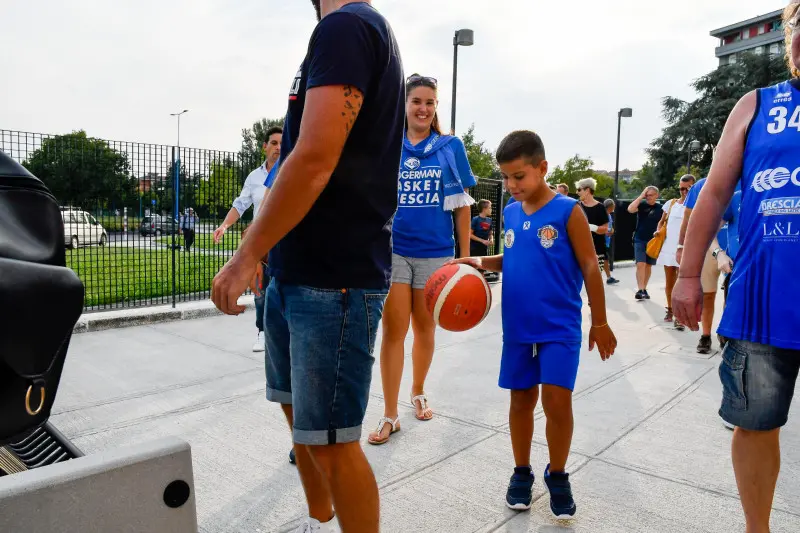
[559, 364]
[520, 372]
[279, 389]
[758, 383]
[332, 336]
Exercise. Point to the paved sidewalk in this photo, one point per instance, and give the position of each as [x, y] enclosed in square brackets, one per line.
[649, 452]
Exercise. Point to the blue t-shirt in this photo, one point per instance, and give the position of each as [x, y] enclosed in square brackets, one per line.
[421, 227]
[762, 296]
[541, 300]
[610, 229]
[345, 239]
[693, 194]
[731, 227]
[481, 227]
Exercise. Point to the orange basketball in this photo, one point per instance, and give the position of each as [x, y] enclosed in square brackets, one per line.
[458, 297]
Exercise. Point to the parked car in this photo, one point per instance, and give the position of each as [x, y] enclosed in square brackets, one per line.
[157, 225]
[82, 229]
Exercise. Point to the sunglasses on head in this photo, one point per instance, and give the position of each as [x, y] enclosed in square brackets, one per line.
[422, 80]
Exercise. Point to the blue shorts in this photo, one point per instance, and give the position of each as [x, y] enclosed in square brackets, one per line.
[555, 363]
[319, 357]
[757, 384]
[640, 253]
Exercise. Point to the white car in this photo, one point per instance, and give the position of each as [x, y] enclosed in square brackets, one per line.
[82, 229]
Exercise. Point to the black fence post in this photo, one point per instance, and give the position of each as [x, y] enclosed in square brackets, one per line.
[498, 209]
[174, 214]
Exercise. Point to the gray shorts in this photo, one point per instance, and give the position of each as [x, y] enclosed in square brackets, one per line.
[415, 271]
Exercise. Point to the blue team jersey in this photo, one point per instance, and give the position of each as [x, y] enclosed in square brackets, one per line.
[541, 299]
[421, 227]
[762, 305]
[731, 227]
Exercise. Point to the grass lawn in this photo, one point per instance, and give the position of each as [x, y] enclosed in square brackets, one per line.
[205, 241]
[111, 275]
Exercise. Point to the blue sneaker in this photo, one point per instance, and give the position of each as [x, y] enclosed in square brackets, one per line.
[561, 502]
[520, 489]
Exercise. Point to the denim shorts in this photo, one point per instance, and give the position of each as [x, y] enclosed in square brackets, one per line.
[319, 357]
[552, 363]
[757, 384]
[640, 253]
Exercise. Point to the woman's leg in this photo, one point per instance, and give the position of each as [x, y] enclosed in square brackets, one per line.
[422, 351]
[671, 273]
[396, 316]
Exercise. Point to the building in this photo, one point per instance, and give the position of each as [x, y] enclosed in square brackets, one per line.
[626, 175]
[760, 35]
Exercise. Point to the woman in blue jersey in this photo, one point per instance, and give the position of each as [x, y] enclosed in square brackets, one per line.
[761, 360]
[433, 178]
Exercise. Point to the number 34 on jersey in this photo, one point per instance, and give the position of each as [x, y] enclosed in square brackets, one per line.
[781, 119]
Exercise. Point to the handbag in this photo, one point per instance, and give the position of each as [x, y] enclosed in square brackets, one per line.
[40, 301]
[657, 242]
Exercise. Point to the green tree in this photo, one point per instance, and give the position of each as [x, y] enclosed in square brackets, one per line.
[480, 158]
[577, 168]
[253, 140]
[216, 194]
[83, 171]
[704, 118]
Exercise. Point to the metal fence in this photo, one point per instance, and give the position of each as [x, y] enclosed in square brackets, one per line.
[121, 202]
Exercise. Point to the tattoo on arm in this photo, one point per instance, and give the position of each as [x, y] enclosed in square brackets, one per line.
[352, 106]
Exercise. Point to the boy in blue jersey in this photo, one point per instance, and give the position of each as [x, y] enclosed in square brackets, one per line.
[761, 359]
[548, 255]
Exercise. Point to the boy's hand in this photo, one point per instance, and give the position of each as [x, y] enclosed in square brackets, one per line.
[474, 262]
[605, 340]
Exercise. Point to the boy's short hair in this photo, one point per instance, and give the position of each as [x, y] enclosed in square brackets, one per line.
[483, 204]
[521, 144]
[563, 186]
[609, 203]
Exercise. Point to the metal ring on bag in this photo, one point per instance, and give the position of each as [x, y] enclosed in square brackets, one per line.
[28, 401]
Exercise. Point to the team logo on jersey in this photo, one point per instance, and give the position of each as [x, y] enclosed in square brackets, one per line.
[780, 206]
[509, 238]
[412, 163]
[775, 179]
[295, 90]
[781, 231]
[783, 97]
[526, 225]
[547, 236]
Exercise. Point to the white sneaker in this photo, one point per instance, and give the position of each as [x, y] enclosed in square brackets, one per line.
[310, 525]
[260, 344]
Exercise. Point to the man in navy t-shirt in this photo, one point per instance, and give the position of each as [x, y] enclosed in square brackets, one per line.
[327, 227]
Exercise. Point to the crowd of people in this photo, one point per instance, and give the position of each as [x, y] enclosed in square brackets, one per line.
[362, 150]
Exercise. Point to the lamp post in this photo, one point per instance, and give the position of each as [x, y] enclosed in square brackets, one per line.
[462, 38]
[625, 112]
[177, 161]
[694, 146]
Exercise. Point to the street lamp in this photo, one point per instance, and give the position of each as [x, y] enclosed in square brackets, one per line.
[462, 38]
[625, 112]
[694, 146]
[177, 164]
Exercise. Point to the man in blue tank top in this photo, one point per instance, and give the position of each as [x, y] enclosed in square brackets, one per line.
[548, 254]
[761, 360]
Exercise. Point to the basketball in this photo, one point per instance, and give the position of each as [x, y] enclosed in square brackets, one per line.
[458, 297]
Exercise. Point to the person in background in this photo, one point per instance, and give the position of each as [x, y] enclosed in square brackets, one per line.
[673, 218]
[596, 215]
[253, 193]
[481, 236]
[648, 212]
[610, 206]
[761, 359]
[563, 189]
[187, 227]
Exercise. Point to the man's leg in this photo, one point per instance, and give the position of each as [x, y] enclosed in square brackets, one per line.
[331, 368]
[648, 270]
[640, 275]
[756, 463]
[607, 269]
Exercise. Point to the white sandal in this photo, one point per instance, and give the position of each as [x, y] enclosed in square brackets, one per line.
[381, 423]
[423, 404]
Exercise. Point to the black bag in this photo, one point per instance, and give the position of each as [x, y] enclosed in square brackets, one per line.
[40, 301]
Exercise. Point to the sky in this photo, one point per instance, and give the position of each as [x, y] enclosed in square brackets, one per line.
[563, 69]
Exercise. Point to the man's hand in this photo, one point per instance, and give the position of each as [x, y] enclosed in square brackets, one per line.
[231, 282]
[218, 234]
[605, 340]
[474, 262]
[687, 301]
[724, 262]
